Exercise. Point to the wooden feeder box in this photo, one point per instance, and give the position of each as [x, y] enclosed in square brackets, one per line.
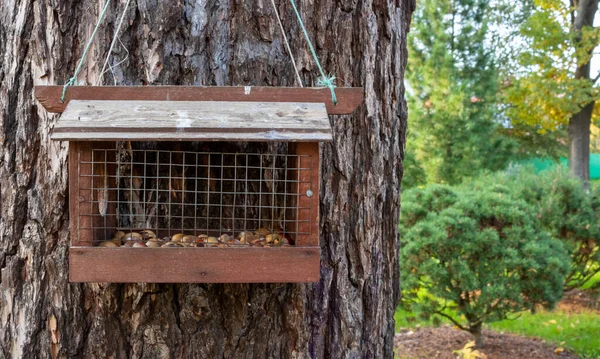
[248, 216]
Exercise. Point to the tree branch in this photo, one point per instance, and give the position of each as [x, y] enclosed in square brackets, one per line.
[596, 78]
[451, 319]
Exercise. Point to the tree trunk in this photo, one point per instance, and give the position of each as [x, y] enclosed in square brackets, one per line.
[477, 335]
[579, 143]
[579, 123]
[349, 313]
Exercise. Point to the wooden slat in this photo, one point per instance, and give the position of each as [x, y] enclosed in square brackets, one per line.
[209, 120]
[349, 98]
[308, 213]
[194, 265]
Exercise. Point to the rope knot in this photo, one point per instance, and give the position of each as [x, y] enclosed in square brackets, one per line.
[328, 81]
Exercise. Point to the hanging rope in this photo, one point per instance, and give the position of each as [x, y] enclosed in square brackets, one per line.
[85, 51]
[287, 44]
[325, 81]
[112, 44]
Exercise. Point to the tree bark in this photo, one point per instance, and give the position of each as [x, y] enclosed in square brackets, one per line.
[349, 313]
[579, 123]
[477, 335]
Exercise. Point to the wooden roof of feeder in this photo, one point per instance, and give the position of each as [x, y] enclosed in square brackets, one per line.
[114, 120]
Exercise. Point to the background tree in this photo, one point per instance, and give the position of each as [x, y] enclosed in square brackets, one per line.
[478, 251]
[349, 313]
[551, 86]
[453, 77]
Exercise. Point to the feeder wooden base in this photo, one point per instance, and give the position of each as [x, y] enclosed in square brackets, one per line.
[194, 265]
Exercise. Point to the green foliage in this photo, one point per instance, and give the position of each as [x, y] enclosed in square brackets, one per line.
[414, 175]
[543, 88]
[477, 251]
[453, 85]
[564, 209]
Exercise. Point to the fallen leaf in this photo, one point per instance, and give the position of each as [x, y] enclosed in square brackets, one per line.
[559, 350]
[552, 321]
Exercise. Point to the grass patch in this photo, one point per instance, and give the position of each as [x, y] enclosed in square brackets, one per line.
[578, 332]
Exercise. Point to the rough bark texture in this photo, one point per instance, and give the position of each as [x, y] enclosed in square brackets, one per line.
[349, 313]
[579, 123]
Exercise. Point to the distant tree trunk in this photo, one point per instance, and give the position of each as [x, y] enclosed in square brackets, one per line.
[579, 123]
[349, 313]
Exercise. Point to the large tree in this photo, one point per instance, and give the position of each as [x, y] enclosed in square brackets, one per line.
[551, 86]
[349, 313]
[453, 76]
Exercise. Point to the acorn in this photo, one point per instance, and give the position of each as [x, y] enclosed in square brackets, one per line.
[225, 238]
[148, 234]
[108, 244]
[132, 236]
[170, 244]
[271, 238]
[212, 240]
[139, 245]
[153, 244]
[188, 239]
[262, 232]
[255, 241]
[177, 237]
[245, 237]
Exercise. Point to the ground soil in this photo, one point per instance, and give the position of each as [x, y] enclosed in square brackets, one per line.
[577, 300]
[425, 343]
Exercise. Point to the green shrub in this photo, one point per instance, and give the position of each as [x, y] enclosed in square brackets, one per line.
[564, 208]
[477, 251]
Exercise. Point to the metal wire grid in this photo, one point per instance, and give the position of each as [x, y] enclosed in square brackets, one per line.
[195, 193]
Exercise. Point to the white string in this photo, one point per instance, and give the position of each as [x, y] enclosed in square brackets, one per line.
[287, 44]
[112, 44]
[112, 67]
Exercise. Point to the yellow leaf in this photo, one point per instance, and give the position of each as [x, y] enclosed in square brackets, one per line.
[552, 321]
[470, 344]
[559, 350]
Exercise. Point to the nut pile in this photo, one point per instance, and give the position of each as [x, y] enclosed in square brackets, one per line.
[147, 238]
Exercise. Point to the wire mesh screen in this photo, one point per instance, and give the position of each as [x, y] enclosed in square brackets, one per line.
[235, 198]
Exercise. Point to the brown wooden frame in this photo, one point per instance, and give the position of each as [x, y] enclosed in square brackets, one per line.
[349, 98]
[298, 263]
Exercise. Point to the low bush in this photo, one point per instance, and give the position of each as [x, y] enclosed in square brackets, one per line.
[563, 207]
[478, 250]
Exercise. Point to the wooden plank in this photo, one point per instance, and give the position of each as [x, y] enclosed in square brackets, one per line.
[309, 182]
[349, 98]
[210, 120]
[74, 193]
[194, 265]
[193, 136]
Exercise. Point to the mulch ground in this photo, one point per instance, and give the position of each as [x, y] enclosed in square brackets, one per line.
[425, 343]
[577, 300]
